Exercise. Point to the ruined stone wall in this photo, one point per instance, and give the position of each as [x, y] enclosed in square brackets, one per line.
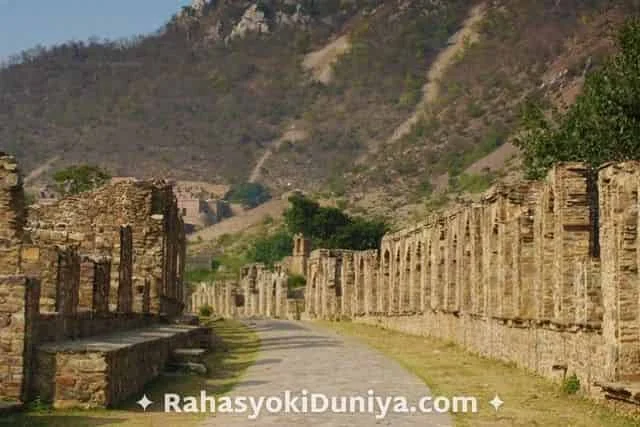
[136, 226]
[99, 262]
[300, 256]
[18, 294]
[18, 312]
[220, 296]
[261, 292]
[544, 274]
[12, 215]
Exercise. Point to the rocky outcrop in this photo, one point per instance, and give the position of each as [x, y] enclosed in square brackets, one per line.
[253, 20]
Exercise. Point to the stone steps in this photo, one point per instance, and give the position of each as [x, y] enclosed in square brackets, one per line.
[188, 355]
[104, 370]
[628, 391]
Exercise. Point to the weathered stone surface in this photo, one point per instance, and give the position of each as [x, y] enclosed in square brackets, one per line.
[102, 372]
[87, 251]
[544, 274]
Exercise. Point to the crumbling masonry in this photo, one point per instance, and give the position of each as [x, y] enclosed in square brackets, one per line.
[93, 265]
[261, 292]
[543, 274]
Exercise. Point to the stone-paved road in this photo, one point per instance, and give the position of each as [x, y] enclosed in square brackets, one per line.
[296, 356]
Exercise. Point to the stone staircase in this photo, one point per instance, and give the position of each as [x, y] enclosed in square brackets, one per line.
[188, 360]
[627, 391]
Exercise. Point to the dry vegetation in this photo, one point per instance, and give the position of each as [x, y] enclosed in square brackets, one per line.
[179, 103]
[450, 371]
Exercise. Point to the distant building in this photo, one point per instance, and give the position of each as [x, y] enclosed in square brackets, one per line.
[199, 203]
[47, 195]
[198, 211]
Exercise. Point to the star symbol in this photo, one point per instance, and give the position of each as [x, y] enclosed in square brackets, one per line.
[144, 402]
[496, 402]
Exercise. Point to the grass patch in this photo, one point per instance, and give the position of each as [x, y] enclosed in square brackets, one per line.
[450, 371]
[227, 364]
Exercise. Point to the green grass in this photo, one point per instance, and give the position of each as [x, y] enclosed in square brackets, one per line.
[227, 363]
[451, 371]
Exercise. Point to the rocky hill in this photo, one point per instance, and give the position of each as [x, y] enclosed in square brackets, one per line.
[376, 102]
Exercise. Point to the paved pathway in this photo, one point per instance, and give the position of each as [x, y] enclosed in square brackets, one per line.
[300, 356]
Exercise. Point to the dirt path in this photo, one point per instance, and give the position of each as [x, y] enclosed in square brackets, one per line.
[303, 356]
[320, 62]
[235, 224]
[431, 90]
[37, 172]
[293, 134]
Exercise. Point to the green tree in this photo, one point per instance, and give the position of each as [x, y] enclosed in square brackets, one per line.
[271, 249]
[295, 281]
[248, 194]
[77, 179]
[604, 123]
[300, 214]
[331, 228]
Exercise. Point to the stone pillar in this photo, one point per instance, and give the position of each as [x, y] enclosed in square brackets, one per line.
[68, 281]
[125, 273]
[544, 228]
[428, 270]
[450, 296]
[101, 285]
[396, 268]
[18, 311]
[348, 281]
[490, 266]
[12, 215]
[384, 282]
[475, 259]
[300, 256]
[416, 277]
[406, 276]
[618, 187]
[87, 278]
[438, 259]
[572, 235]
[362, 291]
[464, 261]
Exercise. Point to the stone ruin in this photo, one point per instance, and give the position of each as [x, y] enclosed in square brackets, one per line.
[542, 274]
[260, 292]
[87, 288]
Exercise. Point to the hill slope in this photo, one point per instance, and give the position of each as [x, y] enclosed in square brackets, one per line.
[382, 106]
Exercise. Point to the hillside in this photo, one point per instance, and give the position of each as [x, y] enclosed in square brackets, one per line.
[378, 104]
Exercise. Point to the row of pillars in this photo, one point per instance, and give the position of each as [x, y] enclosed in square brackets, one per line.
[523, 253]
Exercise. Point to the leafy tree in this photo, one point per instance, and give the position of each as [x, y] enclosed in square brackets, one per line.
[603, 124]
[271, 249]
[205, 311]
[77, 179]
[215, 264]
[330, 227]
[248, 194]
[295, 281]
[360, 234]
[299, 216]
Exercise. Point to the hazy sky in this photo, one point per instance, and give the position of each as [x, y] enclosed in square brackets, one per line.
[27, 23]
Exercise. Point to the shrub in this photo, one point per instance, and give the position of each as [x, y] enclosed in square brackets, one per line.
[295, 281]
[330, 227]
[248, 194]
[603, 125]
[205, 310]
[571, 384]
[77, 179]
[271, 249]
